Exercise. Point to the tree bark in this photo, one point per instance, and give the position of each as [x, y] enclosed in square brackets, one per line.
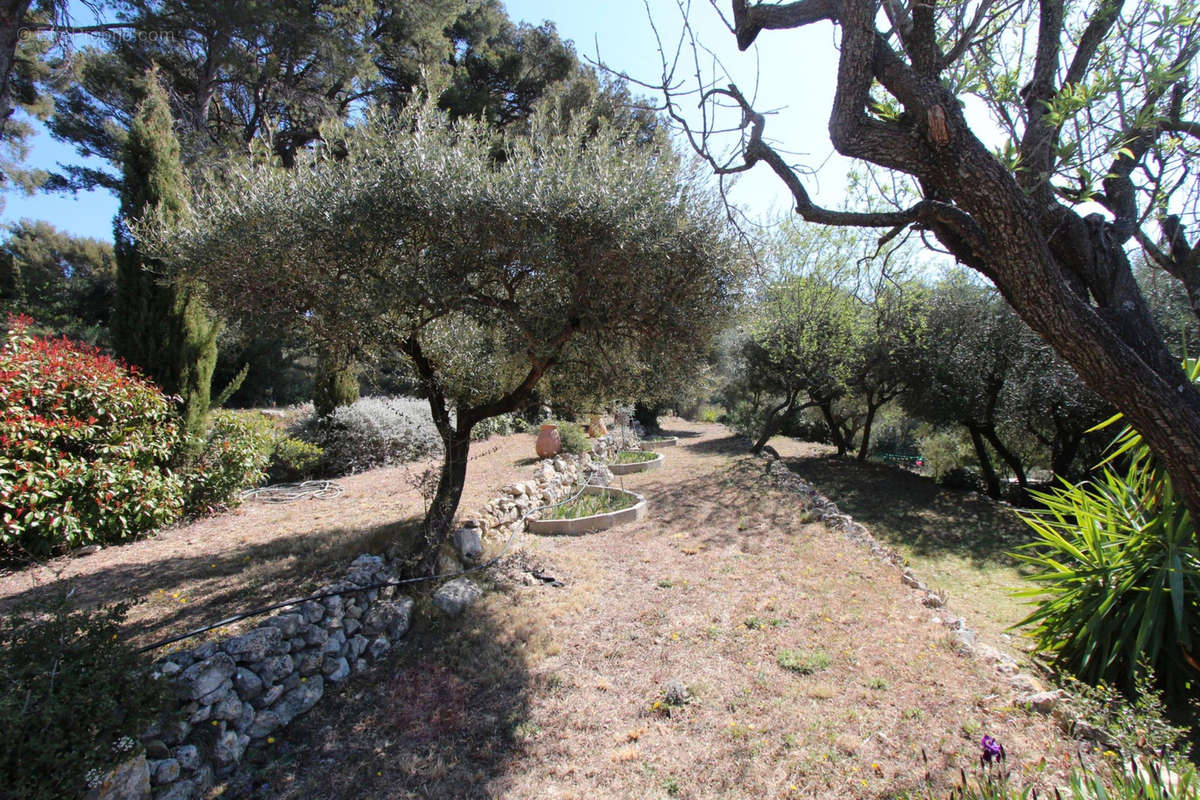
[440, 516]
[835, 429]
[866, 431]
[12, 13]
[1009, 457]
[990, 479]
[776, 414]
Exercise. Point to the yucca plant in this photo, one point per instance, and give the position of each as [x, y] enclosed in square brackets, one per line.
[1117, 572]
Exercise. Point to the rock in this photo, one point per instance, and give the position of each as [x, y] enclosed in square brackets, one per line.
[229, 747]
[1041, 702]
[468, 543]
[170, 669]
[1025, 683]
[206, 677]
[256, 645]
[176, 731]
[909, 579]
[181, 790]
[300, 699]
[188, 756]
[274, 669]
[245, 719]
[229, 708]
[334, 606]
[309, 663]
[128, 781]
[288, 624]
[273, 694]
[199, 714]
[316, 636]
[360, 665]
[205, 651]
[392, 617]
[247, 683]
[351, 624]
[164, 771]
[448, 564]
[335, 645]
[87, 550]
[356, 647]
[353, 611]
[454, 596]
[378, 648]
[313, 611]
[265, 721]
[337, 670]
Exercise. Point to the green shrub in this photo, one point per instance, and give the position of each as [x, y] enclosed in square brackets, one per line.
[945, 452]
[803, 661]
[501, 425]
[574, 437]
[294, 460]
[1118, 574]
[73, 700]
[84, 448]
[1137, 780]
[234, 457]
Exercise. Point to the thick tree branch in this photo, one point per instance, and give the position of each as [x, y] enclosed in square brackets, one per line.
[749, 20]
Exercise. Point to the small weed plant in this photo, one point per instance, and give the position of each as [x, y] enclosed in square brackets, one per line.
[803, 662]
[589, 505]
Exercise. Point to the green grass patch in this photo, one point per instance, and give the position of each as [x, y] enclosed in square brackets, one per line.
[634, 457]
[805, 662]
[589, 505]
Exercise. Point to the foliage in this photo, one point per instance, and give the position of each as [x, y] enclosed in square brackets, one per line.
[1142, 780]
[501, 425]
[294, 459]
[336, 381]
[577, 248]
[233, 456]
[65, 283]
[74, 699]
[944, 450]
[574, 437]
[84, 447]
[160, 325]
[634, 457]
[373, 432]
[1118, 570]
[1130, 726]
[804, 662]
[589, 505]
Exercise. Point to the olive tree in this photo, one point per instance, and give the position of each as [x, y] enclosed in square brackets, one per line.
[1097, 102]
[485, 263]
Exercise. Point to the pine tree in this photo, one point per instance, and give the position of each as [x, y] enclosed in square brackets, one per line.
[160, 324]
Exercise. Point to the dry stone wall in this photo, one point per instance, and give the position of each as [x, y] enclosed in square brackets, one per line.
[238, 691]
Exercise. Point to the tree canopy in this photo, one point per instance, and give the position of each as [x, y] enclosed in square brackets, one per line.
[1099, 104]
[408, 234]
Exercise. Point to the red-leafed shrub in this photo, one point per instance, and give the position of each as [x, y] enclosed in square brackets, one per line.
[84, 447]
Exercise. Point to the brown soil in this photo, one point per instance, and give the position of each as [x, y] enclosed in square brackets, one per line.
[560, 692]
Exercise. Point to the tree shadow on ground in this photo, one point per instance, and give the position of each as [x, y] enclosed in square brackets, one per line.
[729, 508]
[185, 593]
[667, 432]
[725, 445]
[445, 716]
[903, 508]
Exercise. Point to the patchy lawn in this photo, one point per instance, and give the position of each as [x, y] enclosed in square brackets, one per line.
[955, 540]
[725, 646]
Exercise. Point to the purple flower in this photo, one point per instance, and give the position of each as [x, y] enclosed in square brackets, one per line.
[993, 751]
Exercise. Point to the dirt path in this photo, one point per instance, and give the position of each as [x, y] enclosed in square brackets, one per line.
[543, 692]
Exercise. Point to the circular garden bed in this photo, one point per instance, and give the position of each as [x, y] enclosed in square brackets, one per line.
[597, 508]
[628, 462]
[661, 441]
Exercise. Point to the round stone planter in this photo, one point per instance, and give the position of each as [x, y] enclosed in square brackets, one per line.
[596, 522]
[638, 466]
[666, 441]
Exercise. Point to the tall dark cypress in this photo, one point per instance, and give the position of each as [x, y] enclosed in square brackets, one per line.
[159, 323]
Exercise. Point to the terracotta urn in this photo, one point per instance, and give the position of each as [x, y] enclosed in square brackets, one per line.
[549, 443]
[596, 427]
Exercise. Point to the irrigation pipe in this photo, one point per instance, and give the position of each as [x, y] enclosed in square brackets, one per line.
[384, 584]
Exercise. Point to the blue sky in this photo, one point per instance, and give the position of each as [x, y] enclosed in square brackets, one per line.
[793, 70]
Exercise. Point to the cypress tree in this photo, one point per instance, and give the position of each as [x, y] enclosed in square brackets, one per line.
[160, 324]
[336, 381]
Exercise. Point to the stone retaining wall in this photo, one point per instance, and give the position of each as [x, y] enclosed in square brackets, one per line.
[240, 690]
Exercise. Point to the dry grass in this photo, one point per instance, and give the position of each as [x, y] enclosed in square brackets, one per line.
[560, 692]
